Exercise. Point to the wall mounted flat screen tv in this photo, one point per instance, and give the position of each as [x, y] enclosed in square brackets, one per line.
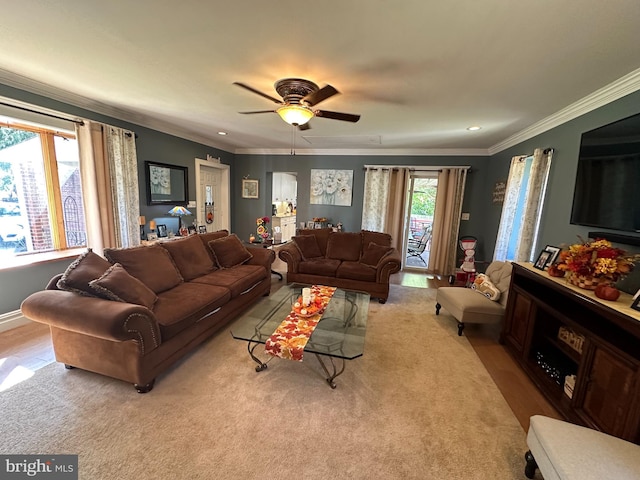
[607, 189]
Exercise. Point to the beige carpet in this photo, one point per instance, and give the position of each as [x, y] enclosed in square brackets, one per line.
[418, 404]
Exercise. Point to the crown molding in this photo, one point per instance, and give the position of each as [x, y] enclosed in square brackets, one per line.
[615, 90]
[623, 86]
[408, 152]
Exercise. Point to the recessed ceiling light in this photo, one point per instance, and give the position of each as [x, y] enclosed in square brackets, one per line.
[222, 133]
[474, 128]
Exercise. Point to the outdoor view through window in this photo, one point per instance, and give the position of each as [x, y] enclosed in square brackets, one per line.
[40, 196]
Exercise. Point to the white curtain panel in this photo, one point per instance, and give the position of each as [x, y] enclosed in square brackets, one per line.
[375, 198]
[525, 230]
[509, 206]
[123, 163]
[109, 172]
[534, 201]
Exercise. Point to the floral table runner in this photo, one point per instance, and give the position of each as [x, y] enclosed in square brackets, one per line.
[290, 338]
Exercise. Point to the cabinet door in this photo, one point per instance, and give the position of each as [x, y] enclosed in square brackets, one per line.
[517, 321]
[609, 393]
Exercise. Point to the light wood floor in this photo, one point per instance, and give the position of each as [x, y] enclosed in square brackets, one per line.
[30, 346]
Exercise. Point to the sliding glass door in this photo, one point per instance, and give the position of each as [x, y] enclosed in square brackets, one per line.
[423, 187]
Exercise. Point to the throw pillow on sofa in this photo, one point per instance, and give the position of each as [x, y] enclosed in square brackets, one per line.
[344, 246]
[85, 268]
[379, 238]
[308, 246]
[229, 251]
[374, 253]
[190, 256]
[116, 284]
[152, 265]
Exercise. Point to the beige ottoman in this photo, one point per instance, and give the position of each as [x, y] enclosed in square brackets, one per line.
[563, 451]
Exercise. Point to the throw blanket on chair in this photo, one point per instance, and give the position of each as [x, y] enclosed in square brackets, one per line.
[290, 338]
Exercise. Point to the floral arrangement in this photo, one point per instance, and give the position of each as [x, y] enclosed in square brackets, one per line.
[596, 259]
[262, 229]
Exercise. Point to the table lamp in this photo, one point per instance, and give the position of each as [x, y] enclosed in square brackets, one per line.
[179, 212]
[141, 222]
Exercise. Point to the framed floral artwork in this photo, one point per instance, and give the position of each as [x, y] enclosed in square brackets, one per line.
[250, 188]
[331, 187]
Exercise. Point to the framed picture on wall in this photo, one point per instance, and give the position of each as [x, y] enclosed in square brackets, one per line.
[249, 188]
[166, 184]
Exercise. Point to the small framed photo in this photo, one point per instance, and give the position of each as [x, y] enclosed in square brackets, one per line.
[202, 229]
[151, 237]
[555, 251]
[636, 301]
[191, 229]
[249, 188]
[542, 260]
[311, 224]
[162, 231]
[318, 225]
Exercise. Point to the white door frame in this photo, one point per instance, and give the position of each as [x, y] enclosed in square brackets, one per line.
[223, 212]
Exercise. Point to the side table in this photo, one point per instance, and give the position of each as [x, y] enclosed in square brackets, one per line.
[270, 245]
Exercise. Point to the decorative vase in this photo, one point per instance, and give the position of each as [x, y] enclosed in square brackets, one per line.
[587, 282]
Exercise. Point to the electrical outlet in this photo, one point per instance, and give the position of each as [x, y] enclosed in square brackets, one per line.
[465, 216]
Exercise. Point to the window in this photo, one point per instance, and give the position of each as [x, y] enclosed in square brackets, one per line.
[41, 205]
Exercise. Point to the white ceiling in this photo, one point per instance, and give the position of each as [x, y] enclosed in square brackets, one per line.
[418, 71]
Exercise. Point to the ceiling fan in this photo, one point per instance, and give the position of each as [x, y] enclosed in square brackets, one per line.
[298, 98]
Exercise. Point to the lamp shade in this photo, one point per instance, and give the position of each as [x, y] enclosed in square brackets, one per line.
[179, 211]
[295, 114]
[141, 220]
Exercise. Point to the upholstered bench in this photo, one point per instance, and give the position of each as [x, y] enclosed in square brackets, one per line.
[469, 306]
[563, 451]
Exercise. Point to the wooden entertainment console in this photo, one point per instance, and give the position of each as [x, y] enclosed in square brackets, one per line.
[554, 329]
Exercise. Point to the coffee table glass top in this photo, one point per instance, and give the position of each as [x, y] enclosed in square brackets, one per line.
[340, 332]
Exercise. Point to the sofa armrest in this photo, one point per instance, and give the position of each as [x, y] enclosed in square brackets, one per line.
[106, 319]
[290, 254]
[389, 264]
[262, 256]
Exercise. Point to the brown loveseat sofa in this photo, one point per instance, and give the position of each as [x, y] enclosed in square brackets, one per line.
[132, 316]
[361, 261]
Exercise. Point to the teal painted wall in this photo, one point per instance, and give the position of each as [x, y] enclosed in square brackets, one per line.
[261, 166]
[555, 228]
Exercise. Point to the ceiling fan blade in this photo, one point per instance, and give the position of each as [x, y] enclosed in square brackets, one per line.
[346, 117]
[320, 95]
[258, 111]
[257, 92]
[304, 126]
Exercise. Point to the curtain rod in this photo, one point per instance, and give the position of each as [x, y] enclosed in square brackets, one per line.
[425, 168]
[31, 110]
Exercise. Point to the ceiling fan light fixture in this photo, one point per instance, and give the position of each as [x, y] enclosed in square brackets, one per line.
[295, 114]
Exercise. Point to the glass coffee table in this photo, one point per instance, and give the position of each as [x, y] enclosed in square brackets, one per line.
[339, 334]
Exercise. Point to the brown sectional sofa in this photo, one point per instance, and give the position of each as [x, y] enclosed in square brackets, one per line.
[132, 316]
[361, 261]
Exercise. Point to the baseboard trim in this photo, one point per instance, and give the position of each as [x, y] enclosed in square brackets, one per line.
[12, 320]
